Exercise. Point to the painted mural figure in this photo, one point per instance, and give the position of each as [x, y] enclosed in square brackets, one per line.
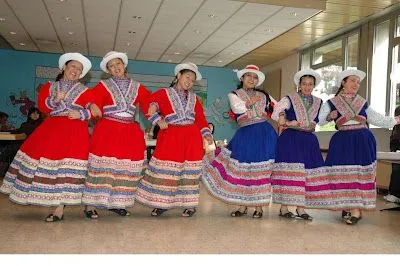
[51, 165]
[172, 177]
[240, 174]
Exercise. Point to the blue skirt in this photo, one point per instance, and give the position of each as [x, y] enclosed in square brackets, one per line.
[296, 146]
[254, 143]
[352, 147]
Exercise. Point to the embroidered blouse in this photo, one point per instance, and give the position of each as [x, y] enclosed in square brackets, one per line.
[169, 106]
[256, 113]
[118, 98]
[77, 97]
[354, 114]
[294, 106]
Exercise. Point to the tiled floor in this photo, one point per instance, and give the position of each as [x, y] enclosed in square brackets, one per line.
[211, 230]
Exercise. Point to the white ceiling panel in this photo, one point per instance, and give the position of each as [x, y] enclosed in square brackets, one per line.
[206, 32]
[101, 25]
[12, 30]
[67, 17]
[41, 30]
[168, 24]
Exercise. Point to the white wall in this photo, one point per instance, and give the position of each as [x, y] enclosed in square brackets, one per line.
[289, 66]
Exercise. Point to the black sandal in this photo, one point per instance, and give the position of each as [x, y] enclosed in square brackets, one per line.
[258, 214]
[92, 214]
[353, 220]
[188, 212]
[120, 212]
[239, 213]
[51, 218]
[304, 216]
[158, 212]
[346, 215]
[288, 214]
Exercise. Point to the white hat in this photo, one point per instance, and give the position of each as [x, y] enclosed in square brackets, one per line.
[350, 72]
[252, 69]
[112, 55]
[86, 64]
[306, 72]
[189, 66]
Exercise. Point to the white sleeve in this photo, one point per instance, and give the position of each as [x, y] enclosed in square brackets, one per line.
[238, 106]
[323, 113]
[375, 118]
[280, 107]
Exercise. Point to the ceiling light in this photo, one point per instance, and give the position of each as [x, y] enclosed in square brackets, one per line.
[293, 14]
[73, 44]
[220, 61]
[169, 60]
[197, 31]
[137, 17]
[132, 32]
[70, 32]
[2, 19]
[269, 30]
[62, 0]
[212, 16]
[177, 53]
[13, 32]
[128, 43]
[22, 44]
[68, 19]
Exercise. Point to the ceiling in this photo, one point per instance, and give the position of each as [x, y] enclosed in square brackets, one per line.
[206, 32]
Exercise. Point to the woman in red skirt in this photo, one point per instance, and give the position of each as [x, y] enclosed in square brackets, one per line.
[51, 166]
[172, 178]
[117, 145]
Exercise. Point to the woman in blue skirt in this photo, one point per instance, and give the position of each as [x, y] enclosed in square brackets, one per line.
[240, 173]
[351, 158]
[299, 178]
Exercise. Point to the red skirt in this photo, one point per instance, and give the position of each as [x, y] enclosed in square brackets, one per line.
[172, 177]
[115, 164]
[51, 166]
[120, 140]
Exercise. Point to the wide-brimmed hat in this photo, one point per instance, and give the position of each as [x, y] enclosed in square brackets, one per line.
[253, 69]
[86, 64]
[306, 72]
[189, 66]
[112, 55]
[350, 72]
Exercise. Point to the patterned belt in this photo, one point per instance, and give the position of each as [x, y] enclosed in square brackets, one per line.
[126, 120]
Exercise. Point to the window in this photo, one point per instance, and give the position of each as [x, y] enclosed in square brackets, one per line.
[380, 59]
[328, 53]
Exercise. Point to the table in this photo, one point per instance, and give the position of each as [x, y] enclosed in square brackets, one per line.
[8, 136]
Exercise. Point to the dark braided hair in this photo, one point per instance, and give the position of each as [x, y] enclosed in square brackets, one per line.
[183, 71]
[61, 75]
[341, 86]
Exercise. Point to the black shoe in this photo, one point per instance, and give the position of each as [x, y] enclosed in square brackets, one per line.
[258, 214]
[353, 220]
[92, 214]
[304, 216]
[288, 214]
[51, 218]
[239, 213]
[346, 215]
[158, 212]
[188, 212]
[121, 212]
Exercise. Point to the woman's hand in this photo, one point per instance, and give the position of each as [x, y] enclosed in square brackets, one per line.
[162, 124]
[74, 114]
[95, 110]
[333, 115]
[293, 123]
[209, 139]
[59, 96]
